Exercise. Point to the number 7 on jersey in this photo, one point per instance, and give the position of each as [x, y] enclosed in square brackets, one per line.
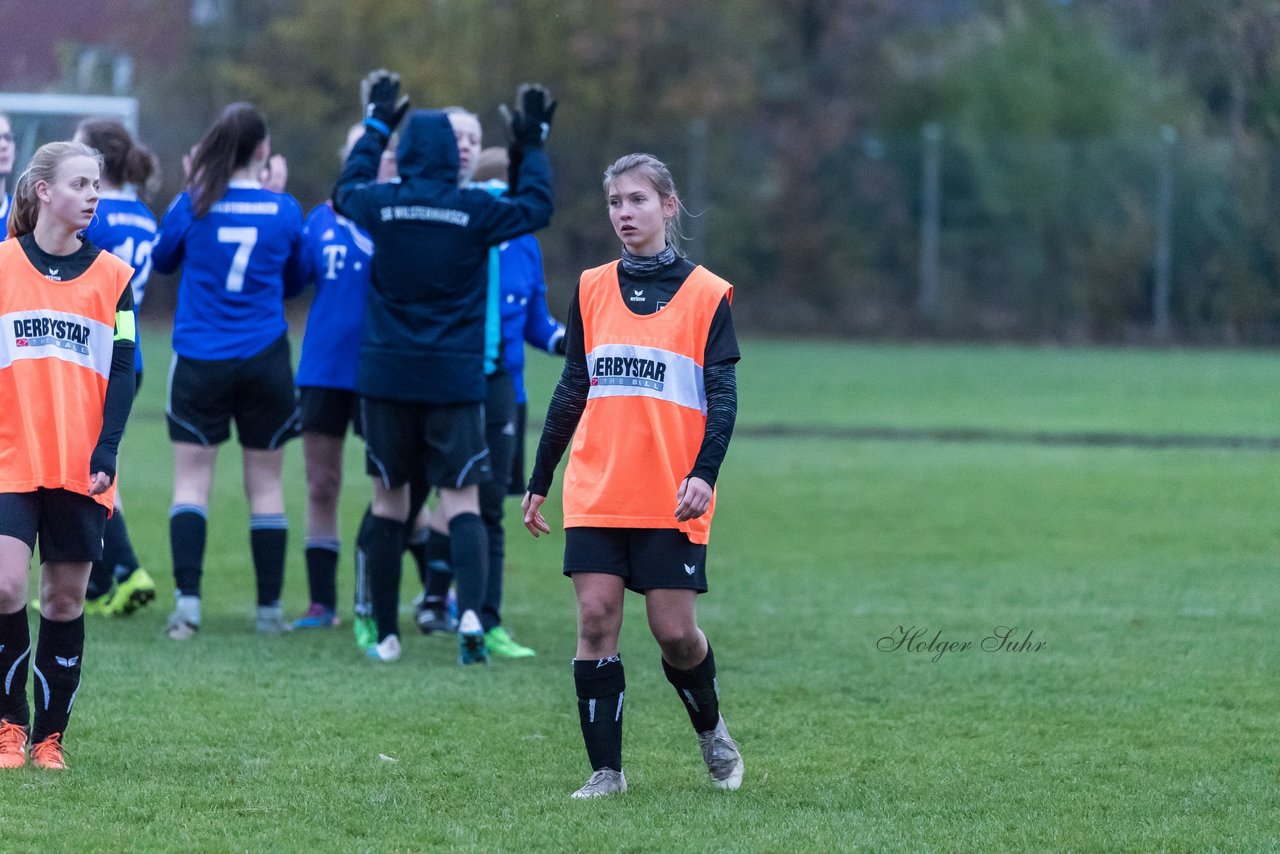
[244, 237]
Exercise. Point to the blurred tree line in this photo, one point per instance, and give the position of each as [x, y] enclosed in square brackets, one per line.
[800, 133]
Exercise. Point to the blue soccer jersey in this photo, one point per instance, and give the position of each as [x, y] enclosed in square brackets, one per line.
[6, 202]
[336, 255]
[525, 318]
[126, 228]
[239, 262]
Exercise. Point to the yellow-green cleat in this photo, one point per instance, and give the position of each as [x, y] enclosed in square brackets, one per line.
[100, 607]
[134, 592]
[366, 631]
[501, 644]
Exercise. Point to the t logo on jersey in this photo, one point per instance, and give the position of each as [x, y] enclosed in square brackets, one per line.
[335, 256]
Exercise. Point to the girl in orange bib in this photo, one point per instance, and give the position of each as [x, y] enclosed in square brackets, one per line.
[66, 388]
[648, 398]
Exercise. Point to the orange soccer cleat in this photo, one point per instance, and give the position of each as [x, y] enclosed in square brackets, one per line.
[13, 745]
[47, 754]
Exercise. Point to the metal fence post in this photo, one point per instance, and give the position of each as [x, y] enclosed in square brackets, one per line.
[930, 296]
[1163, 293]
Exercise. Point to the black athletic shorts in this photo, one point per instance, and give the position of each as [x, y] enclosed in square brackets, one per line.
[444, 441]
[499, 434]
[206, 394]
[329, 410]
[648, 558]
[68, 526]
[519, 480]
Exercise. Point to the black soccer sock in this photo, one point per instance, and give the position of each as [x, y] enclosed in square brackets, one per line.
[601, 686]
[188, 524]
[469, 557]
[382, 547]
[322, 570]
[417, 546]
[698, 691]
[117, 548]
[362, 598]
[15, 661]
[58, 654]
[491, 612]
[100, 579]
[268, 539]
[438, 551]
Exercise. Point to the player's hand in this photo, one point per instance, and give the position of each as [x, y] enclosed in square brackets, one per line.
[692, 499]
[101, 482]
[533, 520]
[275, 174]
[380, 94]
[530, 122]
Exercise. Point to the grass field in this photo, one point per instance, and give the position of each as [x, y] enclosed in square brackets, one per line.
[1148, 720]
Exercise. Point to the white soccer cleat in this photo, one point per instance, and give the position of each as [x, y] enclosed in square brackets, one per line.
[604, 782]
[388, 649]
[720, 752]
[184, 622]
[271, 620]
[471, 644]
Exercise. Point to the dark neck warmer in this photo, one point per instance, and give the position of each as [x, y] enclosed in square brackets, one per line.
[647, 265]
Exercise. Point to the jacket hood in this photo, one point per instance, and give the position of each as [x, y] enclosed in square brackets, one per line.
[428, 148]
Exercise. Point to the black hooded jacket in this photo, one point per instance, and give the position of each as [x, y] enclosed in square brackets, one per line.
[423, 338]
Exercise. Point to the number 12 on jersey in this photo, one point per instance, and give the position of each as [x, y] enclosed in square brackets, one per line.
[244, 237]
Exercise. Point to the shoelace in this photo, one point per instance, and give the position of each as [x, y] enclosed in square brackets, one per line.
[49, 750]
[720, 751]
[12, 738]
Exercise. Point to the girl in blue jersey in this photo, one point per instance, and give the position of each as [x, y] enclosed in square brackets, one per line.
[239, 246]
[6, 167]
[336, 255]
[126, 228]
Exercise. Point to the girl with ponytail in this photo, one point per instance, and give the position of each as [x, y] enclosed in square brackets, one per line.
[239, 247]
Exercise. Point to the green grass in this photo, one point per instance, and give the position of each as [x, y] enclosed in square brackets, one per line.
[1148, 721]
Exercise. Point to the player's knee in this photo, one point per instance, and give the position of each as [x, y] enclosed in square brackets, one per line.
[323, 485]
[678, 643]
[13, 591]
[597, 622]
[61, 605]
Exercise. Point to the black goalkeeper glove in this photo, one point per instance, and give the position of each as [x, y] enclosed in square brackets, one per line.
[384, 105]
[530, 122]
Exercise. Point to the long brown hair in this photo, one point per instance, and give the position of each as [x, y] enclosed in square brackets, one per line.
[124, 159]
[43, 167]
[659, 177]
[227, 146]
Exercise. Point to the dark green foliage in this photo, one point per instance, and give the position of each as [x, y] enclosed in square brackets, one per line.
[1052, 116]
